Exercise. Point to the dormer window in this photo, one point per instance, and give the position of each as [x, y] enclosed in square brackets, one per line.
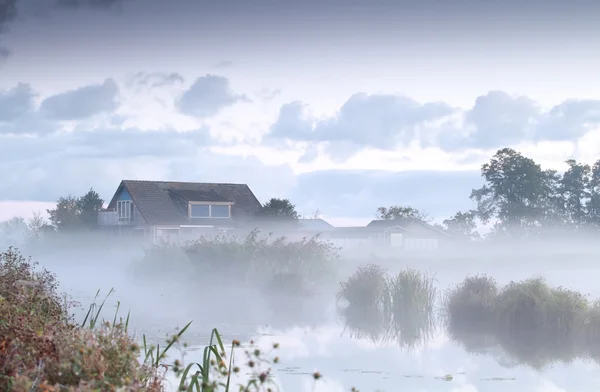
[209, 210]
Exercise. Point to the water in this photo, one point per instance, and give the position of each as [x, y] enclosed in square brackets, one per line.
[314, 338]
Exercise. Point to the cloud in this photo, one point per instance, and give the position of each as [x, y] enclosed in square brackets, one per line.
[387, 122]
[83, 102]
[154, 80]
[8, 11]
[16, 102]
[91, 3]
[18, 114]
[207, 96]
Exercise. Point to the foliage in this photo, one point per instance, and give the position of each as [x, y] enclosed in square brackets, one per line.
[281, 209]
[76, 212]
[462, 226]
[531, 320]
[402, 212]
[412, 300]
[255, 258]
[470, 305]
[41, 348]
[383, 307]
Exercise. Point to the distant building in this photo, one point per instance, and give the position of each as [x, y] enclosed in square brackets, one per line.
[163, 210]
[405, 234]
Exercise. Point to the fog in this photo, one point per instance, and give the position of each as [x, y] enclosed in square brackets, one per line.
[161, 300]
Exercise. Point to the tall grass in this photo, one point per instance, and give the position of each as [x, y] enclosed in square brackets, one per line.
[382, 308]
[412, 300]
[256, 259]
[533, 321]
[42, 348]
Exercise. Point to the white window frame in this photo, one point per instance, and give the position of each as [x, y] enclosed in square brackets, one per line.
[210, 205]
[124, 208]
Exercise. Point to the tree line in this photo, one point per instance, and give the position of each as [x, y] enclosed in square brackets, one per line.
[518, 199]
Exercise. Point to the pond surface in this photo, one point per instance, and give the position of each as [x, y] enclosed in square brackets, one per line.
[312, 336]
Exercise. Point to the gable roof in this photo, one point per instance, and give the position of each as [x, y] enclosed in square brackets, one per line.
[407, 224]
[315, 224]
[155, 201]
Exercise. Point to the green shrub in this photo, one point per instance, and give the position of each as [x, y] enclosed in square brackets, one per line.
[412, 300]
[471, 304]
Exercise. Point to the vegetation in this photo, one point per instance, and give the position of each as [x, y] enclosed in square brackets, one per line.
[43, 349]
[260, 259]
[381, 307]
[533, 321]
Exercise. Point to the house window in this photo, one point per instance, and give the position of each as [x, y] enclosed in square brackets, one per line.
[200, 211]
[209, 211]
[124, 210]
[219, 211]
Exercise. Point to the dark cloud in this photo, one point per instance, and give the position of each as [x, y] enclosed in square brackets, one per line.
[83, 102]
[354, 193]
[496, 120]
[8, 12]
[4, 53]
[16, 102]
[207, 96]
[83, 3]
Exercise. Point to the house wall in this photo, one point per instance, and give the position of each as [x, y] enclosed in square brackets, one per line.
[138, 220]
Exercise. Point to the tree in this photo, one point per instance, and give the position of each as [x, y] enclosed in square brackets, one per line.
[463, 225]
[575, 193]
[593, 203]
[65, 215]
[279, 208]
[76, 212]
[89, 205]
[517, 193]
[402, 212]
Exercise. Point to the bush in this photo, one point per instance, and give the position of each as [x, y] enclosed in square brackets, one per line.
[366, 288]
[40, 344]
[41, 348]
[256, 259]
[470, 305]
[536, 321]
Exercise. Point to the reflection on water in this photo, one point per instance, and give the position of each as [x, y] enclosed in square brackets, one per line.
[368, 348]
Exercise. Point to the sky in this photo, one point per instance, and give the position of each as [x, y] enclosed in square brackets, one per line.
[340, 106]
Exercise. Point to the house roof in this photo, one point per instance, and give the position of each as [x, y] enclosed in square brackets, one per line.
[411, 225]
[315, 225]
[156, 202]
[199, 195]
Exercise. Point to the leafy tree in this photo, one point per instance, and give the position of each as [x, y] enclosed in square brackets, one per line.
[279, 208]
[517, 193]
[463, 225]
[76, 212]
[66, 214]
[402, 212]
[574, 190]
[593, 203]
[89, 205]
